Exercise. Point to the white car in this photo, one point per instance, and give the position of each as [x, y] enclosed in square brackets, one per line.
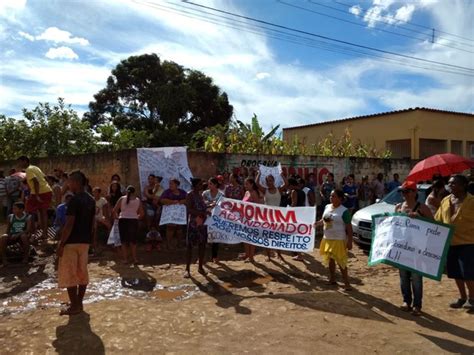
[362, 219]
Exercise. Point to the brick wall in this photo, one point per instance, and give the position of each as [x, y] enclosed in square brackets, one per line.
[100, 167]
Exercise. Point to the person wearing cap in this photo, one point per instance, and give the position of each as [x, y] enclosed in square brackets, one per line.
[129, 210]
[457, 209]
[409, 280]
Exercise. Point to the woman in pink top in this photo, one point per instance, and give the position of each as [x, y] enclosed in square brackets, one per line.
[131, 210]
[252, 194]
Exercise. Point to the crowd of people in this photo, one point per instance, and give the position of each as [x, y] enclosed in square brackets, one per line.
[78, 212]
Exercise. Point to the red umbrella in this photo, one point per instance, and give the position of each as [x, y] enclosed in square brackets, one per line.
[442, 164]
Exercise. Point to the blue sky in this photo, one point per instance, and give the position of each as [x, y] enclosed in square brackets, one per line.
[68, 48]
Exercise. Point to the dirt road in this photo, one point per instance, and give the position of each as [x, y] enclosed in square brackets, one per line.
[265, 307]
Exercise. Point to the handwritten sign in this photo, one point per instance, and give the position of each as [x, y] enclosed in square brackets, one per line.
[234, 221]
[414, 244]
[274, 171]
[173, 214]
[167, 162]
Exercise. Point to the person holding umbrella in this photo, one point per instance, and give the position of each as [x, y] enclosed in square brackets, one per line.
[457, 209]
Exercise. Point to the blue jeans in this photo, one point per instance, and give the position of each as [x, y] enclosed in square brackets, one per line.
[410, 281]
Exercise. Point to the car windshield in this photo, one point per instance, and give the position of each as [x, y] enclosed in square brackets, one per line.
[396, 197]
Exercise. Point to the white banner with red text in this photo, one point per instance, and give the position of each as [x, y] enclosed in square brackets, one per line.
[283, 228]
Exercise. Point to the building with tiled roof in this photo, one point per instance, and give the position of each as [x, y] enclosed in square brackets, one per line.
[414, 133]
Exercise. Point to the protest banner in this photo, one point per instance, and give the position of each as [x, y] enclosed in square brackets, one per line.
[167, 162]
[275, 171]
[284, 228]
[173, 214]
[415, 244]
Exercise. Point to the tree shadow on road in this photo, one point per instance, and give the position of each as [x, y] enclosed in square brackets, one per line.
[77, 337]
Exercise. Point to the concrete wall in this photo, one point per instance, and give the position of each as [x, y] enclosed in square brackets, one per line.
[377, 130]
[100, 167]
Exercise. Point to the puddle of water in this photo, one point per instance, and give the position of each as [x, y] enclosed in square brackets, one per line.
[46, 294]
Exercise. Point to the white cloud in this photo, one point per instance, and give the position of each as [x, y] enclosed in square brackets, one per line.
[47, 80]
[61, 53]
[56, 35]
[405, 13]
[355, 10]
[8, 8]
[239, 63]
[261, 76]
[27, 36]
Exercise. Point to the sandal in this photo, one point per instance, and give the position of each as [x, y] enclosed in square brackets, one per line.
[202, 272]
[187, 275]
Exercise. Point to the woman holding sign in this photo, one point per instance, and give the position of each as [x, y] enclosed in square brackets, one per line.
[173, 196]
[337, 239]
[410, 280]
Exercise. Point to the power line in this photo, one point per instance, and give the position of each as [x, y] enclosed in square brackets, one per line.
[329, 38]
[262, 30]
[363, 25]
[408, 22]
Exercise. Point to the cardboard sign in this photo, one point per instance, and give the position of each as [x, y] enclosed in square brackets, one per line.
[414, 244]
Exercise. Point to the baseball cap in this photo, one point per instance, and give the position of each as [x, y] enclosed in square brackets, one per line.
[409, 185]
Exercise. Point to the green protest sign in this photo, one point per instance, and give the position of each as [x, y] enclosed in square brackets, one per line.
[415, 244]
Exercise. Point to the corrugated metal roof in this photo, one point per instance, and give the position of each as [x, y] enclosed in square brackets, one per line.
[380, 114]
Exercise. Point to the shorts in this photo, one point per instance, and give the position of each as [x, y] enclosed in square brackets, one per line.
[460, 263]
[72, 268]
[33, 206]
[14, 238]
[128, 229]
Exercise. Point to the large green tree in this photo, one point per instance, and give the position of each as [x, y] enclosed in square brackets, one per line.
[46, 130]
[165, 99]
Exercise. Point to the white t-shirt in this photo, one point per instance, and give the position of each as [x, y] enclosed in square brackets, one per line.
[99, 204]
[272, 199]
[335, 228]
